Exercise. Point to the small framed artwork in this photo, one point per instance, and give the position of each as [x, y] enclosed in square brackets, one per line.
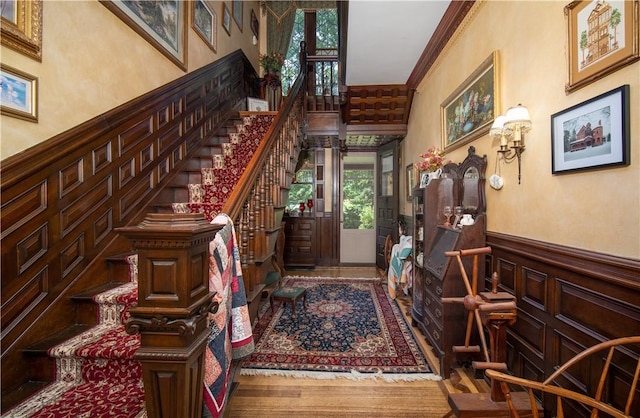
[616, 44]
[469, 111]
[411, 181]
[21, 28]
[226, 18]
[257, 105]
[19, 96]
[162, 24]
[237, 13]
[255, 24]
[593, 134]
[424, 179]
[204, 22]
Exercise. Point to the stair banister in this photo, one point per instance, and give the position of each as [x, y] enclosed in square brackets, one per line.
[247, 203]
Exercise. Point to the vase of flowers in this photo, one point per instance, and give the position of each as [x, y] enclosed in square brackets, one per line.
[430, 167]
[272, 63]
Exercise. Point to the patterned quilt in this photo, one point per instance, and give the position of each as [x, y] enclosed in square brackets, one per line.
[230, 327]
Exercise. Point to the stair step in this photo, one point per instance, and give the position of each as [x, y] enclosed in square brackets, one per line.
[86, 308]
[174, 193]
[90, 293]
[42, 347]
[22, 392]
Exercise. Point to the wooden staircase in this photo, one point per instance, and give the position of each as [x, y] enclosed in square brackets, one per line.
[64, 200]
[86, 315]
[190, 173]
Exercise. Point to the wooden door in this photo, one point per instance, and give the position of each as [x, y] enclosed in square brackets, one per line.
[387, 201]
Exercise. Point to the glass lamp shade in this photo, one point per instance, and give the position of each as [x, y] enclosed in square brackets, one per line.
[518, 116]
[497, 127]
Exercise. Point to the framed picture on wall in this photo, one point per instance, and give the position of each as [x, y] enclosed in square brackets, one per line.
[257, 105]
[21, 28]
[162, 24]
[411, 181]
[204, 22]
[469, 111]
[255, 24]
[592, 134]
[19, 93]
[226, 18]
[592, 57]
[237, 13]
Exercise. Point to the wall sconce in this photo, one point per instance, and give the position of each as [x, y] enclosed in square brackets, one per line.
[511, 128]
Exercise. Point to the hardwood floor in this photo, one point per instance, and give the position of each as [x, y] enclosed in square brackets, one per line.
[275, 396]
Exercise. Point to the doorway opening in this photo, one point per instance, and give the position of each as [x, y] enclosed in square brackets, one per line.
[357, 209]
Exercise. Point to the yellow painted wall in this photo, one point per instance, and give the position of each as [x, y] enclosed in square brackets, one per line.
[93, 62]
[595, 210]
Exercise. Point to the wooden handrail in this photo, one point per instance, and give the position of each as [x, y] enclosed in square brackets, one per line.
[253, 201]
[233, 206]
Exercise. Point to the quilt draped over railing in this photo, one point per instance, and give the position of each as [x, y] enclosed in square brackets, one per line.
[230, 327]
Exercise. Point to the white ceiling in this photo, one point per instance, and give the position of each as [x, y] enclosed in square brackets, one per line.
[386, 38]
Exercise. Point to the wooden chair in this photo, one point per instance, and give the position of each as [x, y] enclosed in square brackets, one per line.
[595, 403]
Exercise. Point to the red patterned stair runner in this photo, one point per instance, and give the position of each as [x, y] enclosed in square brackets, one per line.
[95, 373]
[212, 192]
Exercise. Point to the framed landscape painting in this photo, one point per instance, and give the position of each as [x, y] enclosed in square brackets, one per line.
[616, 44]
[19, 94]
[162, 24]
[592, 134]
[469, 111]
[204, 22]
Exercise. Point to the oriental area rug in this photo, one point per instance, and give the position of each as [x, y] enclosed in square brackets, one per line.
[351, 329]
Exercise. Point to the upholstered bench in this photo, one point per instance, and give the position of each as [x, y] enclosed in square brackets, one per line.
[289, 294]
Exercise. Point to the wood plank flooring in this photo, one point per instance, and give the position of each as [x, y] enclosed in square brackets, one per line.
[275, 396]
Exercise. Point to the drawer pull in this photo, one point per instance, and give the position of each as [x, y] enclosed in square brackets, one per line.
[439, 290]
[436, 335]
[438, 313]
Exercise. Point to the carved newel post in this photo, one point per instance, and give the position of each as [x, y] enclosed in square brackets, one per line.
[171, 314]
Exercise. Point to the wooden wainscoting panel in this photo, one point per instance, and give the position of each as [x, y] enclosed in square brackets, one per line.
[534, 288]
[568, 299]
[507, 274]
[63, 198]
[606, 317]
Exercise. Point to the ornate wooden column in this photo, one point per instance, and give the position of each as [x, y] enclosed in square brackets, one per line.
[171, 315]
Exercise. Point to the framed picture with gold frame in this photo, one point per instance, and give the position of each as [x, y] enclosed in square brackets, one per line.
[469, 111]
[411, 180]
[19, 92]
[204, 22]
[21, 27]
[602, 37]
[226, 18]
[162, 24]
[237, 11]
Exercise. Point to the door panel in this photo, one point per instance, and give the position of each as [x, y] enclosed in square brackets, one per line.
[387, 203]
